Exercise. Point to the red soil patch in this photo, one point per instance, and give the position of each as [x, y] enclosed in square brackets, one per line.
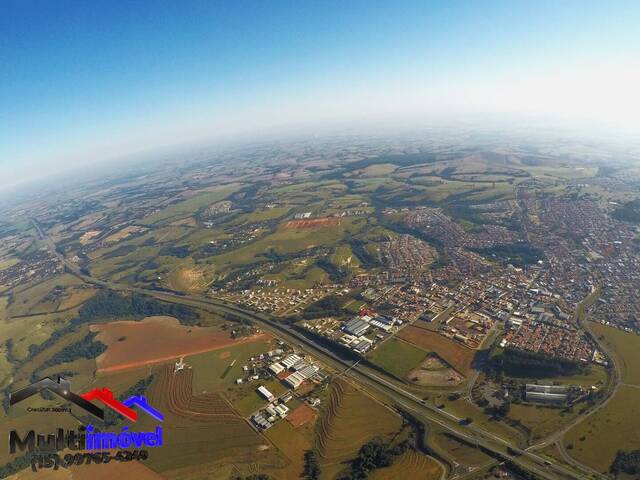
[301, 415]
[456, 355]
[157, 339]
[312, 223]
[224, 355]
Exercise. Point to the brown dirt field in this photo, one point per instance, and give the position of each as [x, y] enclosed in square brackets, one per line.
[301, 415]
[124, 233]
[156, 340]
[312, 223]
[136, 470]
[28, 474]
[410, 464]
[456, 355]
[434, 372]
[86, 237]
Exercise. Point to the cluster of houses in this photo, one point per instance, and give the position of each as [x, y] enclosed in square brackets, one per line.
[280, 300]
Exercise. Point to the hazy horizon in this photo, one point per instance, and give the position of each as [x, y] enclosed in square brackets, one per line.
[86, 83]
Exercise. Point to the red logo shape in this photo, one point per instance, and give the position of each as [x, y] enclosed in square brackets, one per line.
[106, 396]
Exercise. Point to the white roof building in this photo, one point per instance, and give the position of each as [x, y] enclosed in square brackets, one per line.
[291, 360]
[276, 368]
[262, 390]
[294, 380]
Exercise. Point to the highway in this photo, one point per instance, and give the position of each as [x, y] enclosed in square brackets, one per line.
[526, 459]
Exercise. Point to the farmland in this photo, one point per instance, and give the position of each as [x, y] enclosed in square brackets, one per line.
[346, 423]
[204, 428]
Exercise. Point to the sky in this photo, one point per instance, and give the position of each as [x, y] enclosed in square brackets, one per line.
[82, 82]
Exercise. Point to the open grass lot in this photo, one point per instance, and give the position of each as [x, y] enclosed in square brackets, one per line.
[627, 349]
[616, 427]
[596, 440]
[210, 368]
[456, 355]
[410, 464]
[4, 302]
[247, 400]
[346, 424]
[462, 408]
[292, 445]
[462, 452]
[7, 262]
[542, 421]
[263, 214]
[398, 357]
[299, 274]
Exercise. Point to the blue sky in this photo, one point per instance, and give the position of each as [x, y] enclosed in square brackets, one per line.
[84, 81]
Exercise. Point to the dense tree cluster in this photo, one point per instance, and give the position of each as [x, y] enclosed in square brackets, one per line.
[107, 303]
[518, 363]
[336, 274]
[330, 306]
[626, 462]
[366, 258]
[517, 254]
[311, 465]
[175, 251]
[374, 454]
[85, 348]
[629, 212]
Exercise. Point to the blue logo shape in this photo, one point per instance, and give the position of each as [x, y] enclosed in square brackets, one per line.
[141, 402]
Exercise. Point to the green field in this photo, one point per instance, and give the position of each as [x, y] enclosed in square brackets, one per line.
[398, 357]
[287, 240]
[30, 299]
[626, 347]
[248, 400]
[210, 369]
[188, 207]
[542, 421]
[464, 409]
[596, 440]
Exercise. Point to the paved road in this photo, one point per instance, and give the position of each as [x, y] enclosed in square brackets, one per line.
[528, 460]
